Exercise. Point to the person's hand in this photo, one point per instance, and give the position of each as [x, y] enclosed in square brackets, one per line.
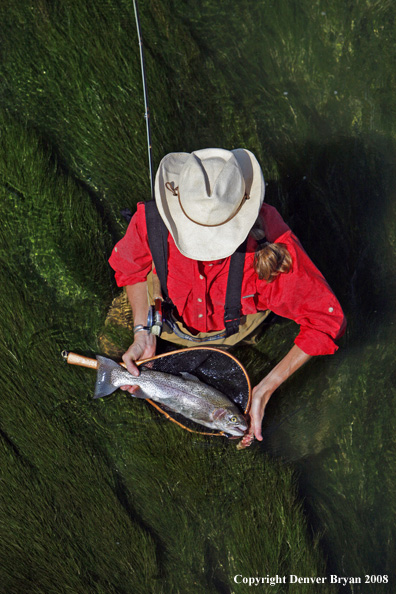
[143, 347]
[260, 396]
[294, 359]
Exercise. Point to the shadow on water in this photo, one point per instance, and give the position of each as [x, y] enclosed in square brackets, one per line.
[333, 421]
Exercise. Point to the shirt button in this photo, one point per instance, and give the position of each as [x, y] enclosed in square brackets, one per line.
[115, 249]
[331, 309]
[199, 300]
[201, 277]
[200, 315]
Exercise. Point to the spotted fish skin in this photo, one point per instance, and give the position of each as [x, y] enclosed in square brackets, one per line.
[185, 395]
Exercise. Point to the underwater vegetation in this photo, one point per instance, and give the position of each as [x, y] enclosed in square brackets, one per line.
[105, 496]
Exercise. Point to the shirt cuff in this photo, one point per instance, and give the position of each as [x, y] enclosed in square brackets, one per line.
[124, 278]
[123, 281]
[313, 342]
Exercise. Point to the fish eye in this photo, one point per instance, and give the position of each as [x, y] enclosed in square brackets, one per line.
[233, 419]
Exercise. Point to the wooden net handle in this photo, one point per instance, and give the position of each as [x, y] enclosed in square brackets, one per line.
[74, 359]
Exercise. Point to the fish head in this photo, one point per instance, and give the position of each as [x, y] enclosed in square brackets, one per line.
[230, 422]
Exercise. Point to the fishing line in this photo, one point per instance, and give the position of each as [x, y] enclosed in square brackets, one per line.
[145, 96]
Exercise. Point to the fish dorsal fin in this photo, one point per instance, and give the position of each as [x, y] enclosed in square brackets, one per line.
[189, 376]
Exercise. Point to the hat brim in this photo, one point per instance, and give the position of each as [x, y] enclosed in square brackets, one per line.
[208, 243]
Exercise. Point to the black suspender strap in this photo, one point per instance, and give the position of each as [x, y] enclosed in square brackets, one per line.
[158, 242]
[232, 308]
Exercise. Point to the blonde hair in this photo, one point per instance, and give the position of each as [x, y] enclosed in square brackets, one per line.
[271, 259]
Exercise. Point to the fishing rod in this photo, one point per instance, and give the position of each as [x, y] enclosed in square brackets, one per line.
[154, 320]
[145, 95]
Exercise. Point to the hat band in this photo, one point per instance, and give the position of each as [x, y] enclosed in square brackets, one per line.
[175, 192]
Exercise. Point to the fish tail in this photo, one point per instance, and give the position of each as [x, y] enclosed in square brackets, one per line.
[104, 386]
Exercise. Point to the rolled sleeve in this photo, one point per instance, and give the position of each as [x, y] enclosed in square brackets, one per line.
[131, 258]
[304, 296]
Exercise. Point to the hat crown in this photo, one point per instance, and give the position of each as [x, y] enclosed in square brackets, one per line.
[202, 197]
[211, 186]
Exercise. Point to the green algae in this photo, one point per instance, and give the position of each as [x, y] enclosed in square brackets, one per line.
[105, 496]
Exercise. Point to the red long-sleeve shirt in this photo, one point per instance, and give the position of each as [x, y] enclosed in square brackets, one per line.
[198, 289]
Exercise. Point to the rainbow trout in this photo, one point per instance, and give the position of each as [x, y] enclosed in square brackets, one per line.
[185, 395]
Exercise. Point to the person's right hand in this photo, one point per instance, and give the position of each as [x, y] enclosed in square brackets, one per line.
[143, 347]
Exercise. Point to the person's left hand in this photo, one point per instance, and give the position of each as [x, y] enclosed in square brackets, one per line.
[260, 396]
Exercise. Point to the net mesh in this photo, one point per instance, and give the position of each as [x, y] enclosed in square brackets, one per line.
[215, 367]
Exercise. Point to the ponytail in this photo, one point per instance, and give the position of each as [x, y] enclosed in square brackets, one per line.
[271, 259]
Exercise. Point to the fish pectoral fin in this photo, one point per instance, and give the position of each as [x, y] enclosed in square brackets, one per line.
[219, 414]
[189, 376]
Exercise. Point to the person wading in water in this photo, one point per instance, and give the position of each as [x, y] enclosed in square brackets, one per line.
[225, 259]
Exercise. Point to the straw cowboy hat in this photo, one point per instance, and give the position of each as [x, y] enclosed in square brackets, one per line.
[209, 200]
